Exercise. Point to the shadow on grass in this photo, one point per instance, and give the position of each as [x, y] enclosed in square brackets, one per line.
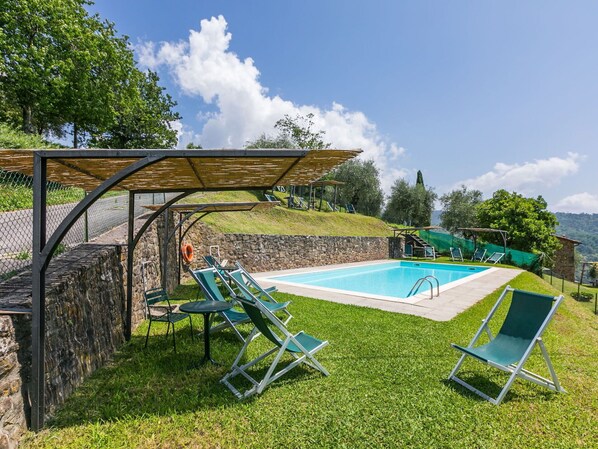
[493, 388]
[157, 381]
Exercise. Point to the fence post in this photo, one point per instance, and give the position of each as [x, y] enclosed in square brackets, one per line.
[595, 303]
[86, 224]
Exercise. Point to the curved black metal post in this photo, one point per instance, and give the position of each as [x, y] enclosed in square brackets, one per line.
[38, 273]
[42, 255]
[129, 295]
[191, 225]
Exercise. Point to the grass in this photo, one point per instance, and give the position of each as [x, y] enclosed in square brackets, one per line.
[285, 221]
[387, 388]
[569, 287]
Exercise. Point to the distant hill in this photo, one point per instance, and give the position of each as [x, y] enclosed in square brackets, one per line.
[582, 227]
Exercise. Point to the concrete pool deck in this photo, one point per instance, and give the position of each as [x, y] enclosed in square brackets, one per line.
[445, 307]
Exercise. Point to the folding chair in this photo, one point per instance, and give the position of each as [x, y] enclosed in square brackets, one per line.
[408, 250]
[456, 254]
[494, 258]
[429, 252]
[163, 313]
[527, 318]
[478, 255]
[249, 289]
[301, 346]
[271, 289]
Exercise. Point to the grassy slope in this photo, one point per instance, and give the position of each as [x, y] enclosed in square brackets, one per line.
[282, 220]
[387, 388]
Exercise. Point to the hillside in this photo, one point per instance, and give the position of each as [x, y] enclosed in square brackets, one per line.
[582, 227]
[282, 220]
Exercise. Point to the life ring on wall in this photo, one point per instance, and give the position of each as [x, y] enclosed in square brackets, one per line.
[187, 253]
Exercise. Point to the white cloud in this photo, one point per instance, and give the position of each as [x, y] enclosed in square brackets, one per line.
[578, 203]
[527, 177]
[204, 67]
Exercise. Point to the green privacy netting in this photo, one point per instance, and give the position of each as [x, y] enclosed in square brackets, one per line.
[442, 242]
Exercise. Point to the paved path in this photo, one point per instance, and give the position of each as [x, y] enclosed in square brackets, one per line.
[449, 304]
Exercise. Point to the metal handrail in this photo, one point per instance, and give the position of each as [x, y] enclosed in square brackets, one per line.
[419, 283]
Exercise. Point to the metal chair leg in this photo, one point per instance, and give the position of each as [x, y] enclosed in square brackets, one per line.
[148, 332]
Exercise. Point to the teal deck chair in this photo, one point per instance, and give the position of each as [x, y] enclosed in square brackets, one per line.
[408, 250]
[526, 320]
[251, 289]
[456, 254]
[160, 310]
[494, 258]
[478, 255]
[272, 289]
[429, 252]
[300, 346]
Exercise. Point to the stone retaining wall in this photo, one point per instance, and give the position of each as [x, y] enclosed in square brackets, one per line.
[85, 322]
[260, 252]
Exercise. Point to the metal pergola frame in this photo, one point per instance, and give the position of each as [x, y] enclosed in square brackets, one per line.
[44, 247]
[475, 232]
[187, 211]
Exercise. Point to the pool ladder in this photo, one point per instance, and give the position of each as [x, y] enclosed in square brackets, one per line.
[420, 282]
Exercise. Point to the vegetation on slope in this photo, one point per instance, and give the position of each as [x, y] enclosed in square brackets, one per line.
[282, 220]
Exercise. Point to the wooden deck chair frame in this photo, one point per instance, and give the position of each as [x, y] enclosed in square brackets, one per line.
[231, 318]
[456, 254]
[516, 370]
[241, 277]
[286, 342]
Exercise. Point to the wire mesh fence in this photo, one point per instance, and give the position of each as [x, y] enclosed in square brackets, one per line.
[16, 217]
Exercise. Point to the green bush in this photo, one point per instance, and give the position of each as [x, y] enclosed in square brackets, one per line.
[582, 296]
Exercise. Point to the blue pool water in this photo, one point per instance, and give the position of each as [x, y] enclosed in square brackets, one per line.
[393, 279]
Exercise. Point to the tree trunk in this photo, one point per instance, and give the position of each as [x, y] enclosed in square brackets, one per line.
[75, 136]
[27, 120]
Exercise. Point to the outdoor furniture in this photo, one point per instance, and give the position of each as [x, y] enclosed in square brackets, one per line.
[301, 346]
[271, 198]
[271, 289]
[332, 208]
[478, 255]
[213, 263]
[206, 279]
[494, 258]
[350, 209]
[408, 250]
[429, 252]
[252, 290]
[162, 313]
[206, 308]
[456, 254]
[527, 318]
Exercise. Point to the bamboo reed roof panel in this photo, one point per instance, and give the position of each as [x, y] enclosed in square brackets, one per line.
[181, 169]
[217, 207]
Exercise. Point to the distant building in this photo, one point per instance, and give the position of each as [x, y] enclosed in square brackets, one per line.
[564, 260]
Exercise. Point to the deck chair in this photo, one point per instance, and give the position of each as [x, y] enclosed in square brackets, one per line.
[332, 208]
[213, 263]
[456, 254]
[160, 310]
[350, 209]
[271, 198]
[526, 320]
[272, 289]
[245, 284]
[478, 255]
[408, 250]
[429, 252]
[301, 346]
[494, 258]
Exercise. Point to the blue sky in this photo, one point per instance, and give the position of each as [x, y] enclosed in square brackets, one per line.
[492, 94]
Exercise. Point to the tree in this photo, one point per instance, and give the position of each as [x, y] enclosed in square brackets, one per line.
[362, 186]
[410, 205]
[193, 146]
[530, 225]
[459, 209]
[143, 118]
[265, 141]
[299, 132]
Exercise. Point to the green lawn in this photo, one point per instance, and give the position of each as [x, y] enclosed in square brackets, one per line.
[387, 388]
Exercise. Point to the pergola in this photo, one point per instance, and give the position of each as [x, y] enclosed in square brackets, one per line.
[476, 231]
[198, 211]
[141, 171]
[398, 232]
[322, 185]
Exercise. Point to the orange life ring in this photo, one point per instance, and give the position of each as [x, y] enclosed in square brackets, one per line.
[187, 253]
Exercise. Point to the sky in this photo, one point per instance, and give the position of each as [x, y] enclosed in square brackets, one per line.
[487, 94]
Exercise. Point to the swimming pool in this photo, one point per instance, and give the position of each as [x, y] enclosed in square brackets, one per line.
[388, 281]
